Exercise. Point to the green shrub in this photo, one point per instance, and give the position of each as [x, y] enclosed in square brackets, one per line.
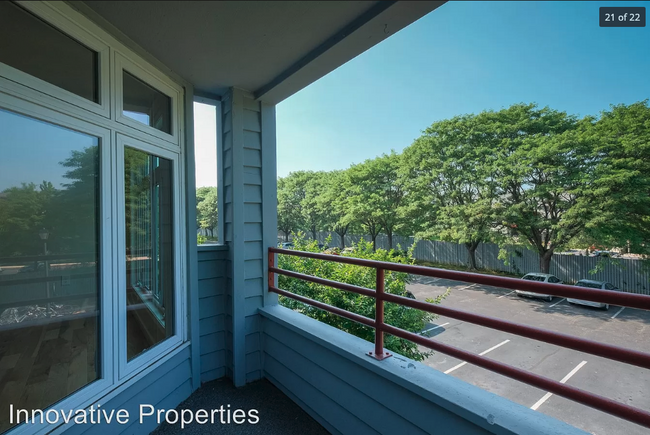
[395, 282]
[200, 239]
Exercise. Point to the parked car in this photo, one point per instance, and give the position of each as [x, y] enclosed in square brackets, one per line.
[539, 277]
[36, 266]
[599, 285]
[287, 245]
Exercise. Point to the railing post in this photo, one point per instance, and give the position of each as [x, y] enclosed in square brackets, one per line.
[271, 282]
[379, 318]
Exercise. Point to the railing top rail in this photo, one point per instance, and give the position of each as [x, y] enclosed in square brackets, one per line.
[631, 300]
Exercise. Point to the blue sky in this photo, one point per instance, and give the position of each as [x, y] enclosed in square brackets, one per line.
[464, 57]
[32, 150]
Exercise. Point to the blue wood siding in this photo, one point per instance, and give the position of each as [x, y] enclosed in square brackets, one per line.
[212, 261]
[245, 215]
[328, 373]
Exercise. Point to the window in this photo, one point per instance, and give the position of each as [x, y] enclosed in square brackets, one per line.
[146, 101]
[49, 261]
[149, 250]
[145, 104]
[205, 156]
[90, 212]
[36, 48]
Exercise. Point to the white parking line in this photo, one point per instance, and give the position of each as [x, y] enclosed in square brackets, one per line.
[618, 312]
[466, 287]
[566, 378]
[482, 353]
[558, 302]
[507, 294]
[435, 327]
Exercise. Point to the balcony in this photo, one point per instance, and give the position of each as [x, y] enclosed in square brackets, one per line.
[336, 378]
[149, 318]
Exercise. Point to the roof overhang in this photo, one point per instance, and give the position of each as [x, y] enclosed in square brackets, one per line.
[272, 49]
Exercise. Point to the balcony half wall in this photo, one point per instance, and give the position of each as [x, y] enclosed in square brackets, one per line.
[326, 371]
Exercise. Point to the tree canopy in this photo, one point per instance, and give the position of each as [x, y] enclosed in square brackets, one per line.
[520, 175]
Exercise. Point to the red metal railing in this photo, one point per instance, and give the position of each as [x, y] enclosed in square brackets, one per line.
[608, 351]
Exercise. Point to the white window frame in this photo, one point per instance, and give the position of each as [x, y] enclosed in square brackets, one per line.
[219, 175]
[27, 95]
[124, 64]
[106, 374]
[47, 13]
[126, 367]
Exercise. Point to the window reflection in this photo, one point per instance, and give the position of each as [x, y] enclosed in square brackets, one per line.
[149, 250]
[146, 104]
[49, 274]
[36, 48]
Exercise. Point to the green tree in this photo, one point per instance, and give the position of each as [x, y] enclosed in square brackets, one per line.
[333, 205]
[622, 157]
[451, 191]
[22, 215]
[76, 205]
[376, 195]
[207, 213]
[544, 170]
[313, 184]
[289, 211]
[395, 283]
[68, 214]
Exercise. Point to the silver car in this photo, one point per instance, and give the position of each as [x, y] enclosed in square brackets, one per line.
[539, 277]
[599, 285]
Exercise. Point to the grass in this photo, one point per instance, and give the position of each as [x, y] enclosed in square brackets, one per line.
[465, 269]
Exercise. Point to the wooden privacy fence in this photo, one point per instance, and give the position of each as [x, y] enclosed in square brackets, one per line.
[627, 274]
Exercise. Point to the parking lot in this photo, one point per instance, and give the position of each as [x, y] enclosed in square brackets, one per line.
[629, 328]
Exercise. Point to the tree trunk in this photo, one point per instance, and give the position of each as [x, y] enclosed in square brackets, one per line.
[342, 237]
[471, 254]
[313, 232]
[286, 236]
[374, 242]
[545, 261]
[390, 239]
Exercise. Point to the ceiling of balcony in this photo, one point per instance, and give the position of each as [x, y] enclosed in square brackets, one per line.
[272, 49]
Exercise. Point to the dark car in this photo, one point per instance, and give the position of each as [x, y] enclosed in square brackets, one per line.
[36, 266]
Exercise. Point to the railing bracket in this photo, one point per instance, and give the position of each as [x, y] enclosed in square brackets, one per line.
[380, 357]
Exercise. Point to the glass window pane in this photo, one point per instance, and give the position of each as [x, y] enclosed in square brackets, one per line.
[145, 104]
[49, 271]
[36, 48]
[205, 159]
[149, 250]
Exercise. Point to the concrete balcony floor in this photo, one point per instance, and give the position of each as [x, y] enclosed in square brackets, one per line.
[278, 414]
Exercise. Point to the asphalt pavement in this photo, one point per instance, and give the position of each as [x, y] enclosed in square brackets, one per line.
[628, 328]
